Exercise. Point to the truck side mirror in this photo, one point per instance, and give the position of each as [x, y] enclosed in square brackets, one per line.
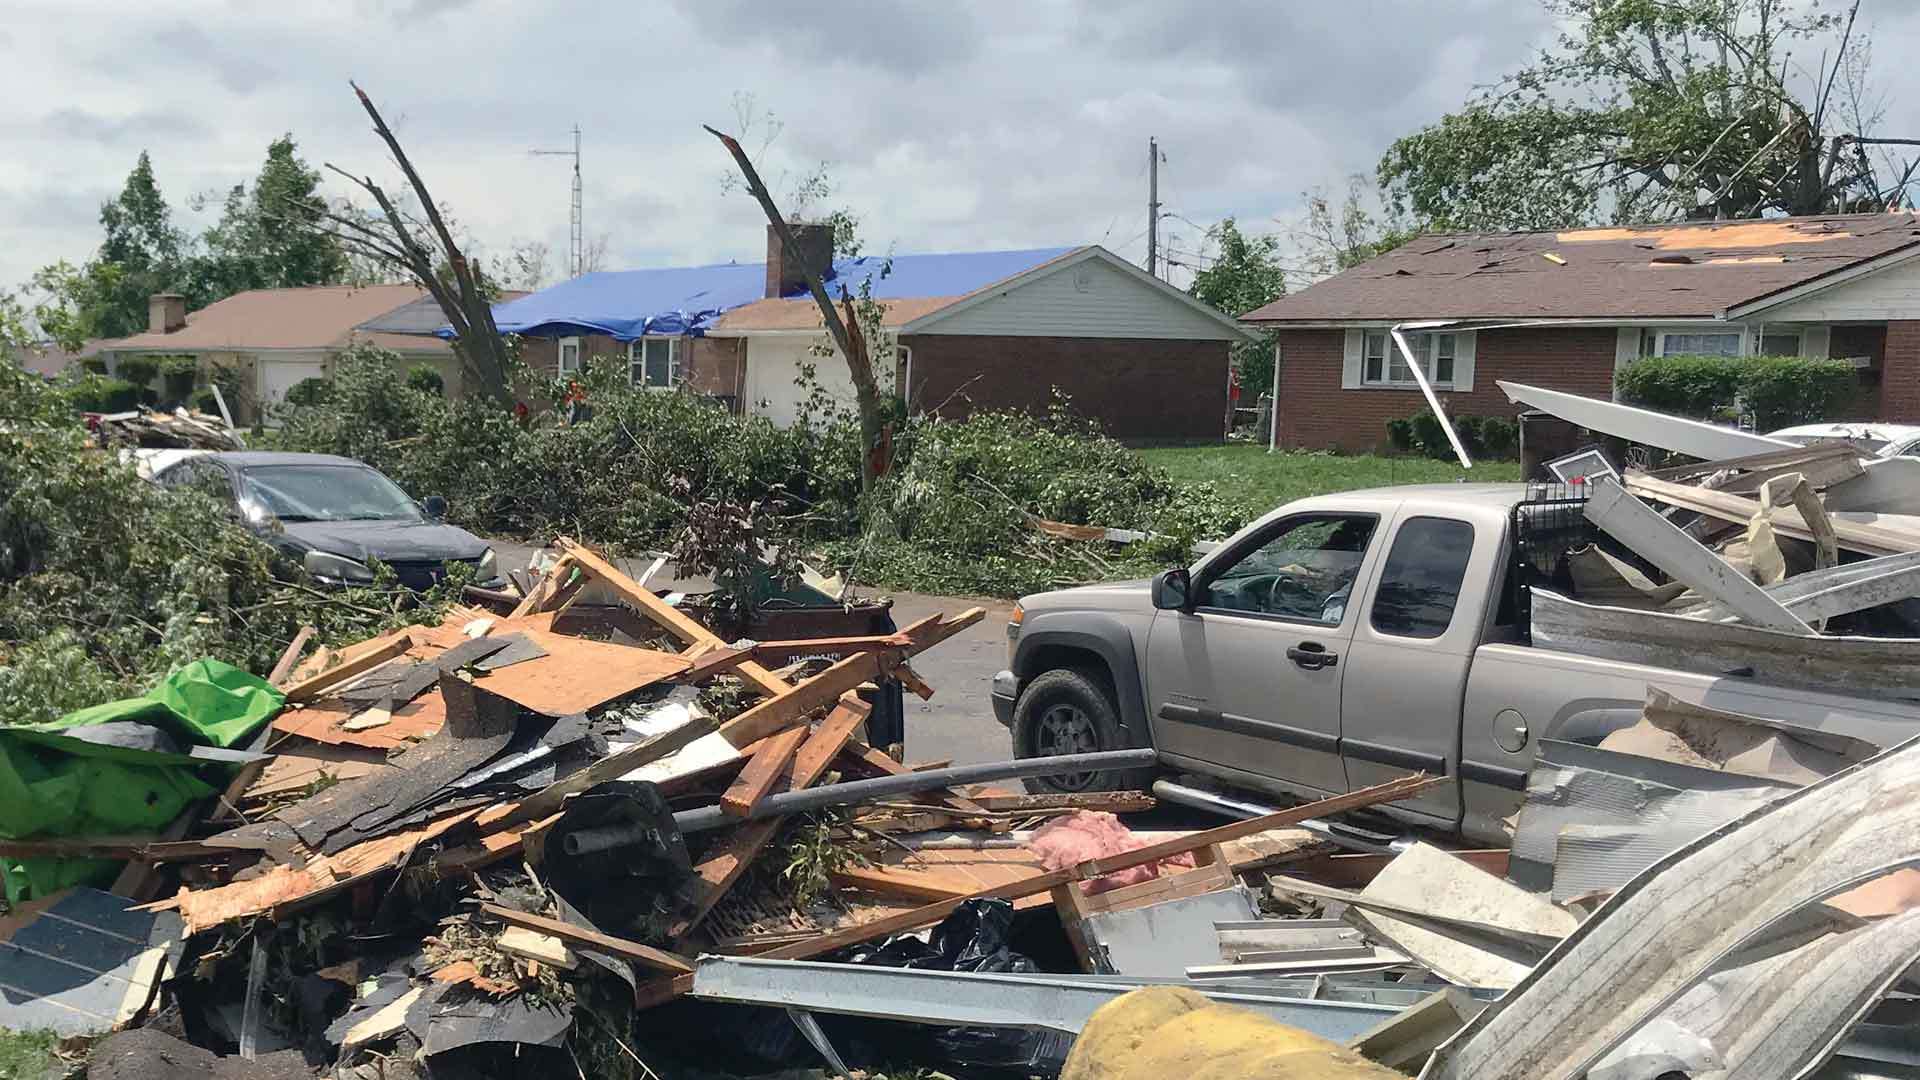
[1173, 590]
[435, 506]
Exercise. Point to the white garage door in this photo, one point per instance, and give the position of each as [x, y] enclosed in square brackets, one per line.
[277, 376]
[773, 368]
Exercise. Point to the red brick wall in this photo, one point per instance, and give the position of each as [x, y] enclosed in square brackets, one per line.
[1315, 413]
[713, 366]
[1869, 341]
[1900, 373]
[1140, 389]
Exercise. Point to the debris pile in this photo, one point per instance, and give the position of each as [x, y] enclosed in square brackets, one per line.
[150, 429]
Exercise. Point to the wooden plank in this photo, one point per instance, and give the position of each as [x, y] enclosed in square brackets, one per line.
[780, 653]
[536, 946]
[891, 881]
[292, 656]
[592, 941]
[672, 619]
[1641, 528]
[789, 708]
[756, 781]
[713, 662]
[727, 860]
[913, 682]
[549, 583]
[1871, 539]
[308, 689]
[1758, 468]
[663, 990]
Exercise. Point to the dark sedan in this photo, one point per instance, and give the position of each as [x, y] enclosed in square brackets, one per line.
[334, 514]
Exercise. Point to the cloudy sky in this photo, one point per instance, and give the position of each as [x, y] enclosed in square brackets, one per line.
[947, 126]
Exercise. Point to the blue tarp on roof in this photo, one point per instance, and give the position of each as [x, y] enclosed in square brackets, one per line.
[626, 304]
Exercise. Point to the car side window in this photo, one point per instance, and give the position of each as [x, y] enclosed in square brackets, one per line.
[1420, 585]
[202, 476]
[1303, 573]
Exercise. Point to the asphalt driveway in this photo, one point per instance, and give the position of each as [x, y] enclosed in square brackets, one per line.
[958, 722]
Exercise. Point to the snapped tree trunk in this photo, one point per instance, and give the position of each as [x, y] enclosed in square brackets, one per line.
[484, 357]
[847, 338]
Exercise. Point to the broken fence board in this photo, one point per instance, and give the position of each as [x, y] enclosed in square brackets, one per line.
[359, 664]
[289, 658]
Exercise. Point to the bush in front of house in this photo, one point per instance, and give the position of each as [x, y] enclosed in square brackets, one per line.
[102, 394]
[426, 379]
[1483, 436]
[1769, 391]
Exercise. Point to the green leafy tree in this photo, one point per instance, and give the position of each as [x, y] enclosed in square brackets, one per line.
[1650, 110]
[267, 237]
[1244, 274]
[140, 254]
[1338, 238]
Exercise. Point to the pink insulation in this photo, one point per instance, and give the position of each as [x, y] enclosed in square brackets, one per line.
[1088, 834]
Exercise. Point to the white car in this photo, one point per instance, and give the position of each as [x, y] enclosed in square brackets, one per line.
[1883, 440]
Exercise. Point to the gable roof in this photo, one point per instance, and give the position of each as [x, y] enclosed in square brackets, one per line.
[317, 317]
[1692, 270]
[418, 316]
[627, 304]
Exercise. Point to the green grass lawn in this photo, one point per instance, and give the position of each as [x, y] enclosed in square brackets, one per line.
[1247, 473]
[25, 1055]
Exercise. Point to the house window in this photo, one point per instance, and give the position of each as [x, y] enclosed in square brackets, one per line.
[652, 362]
[1692, 343]
[569, 356]
[1385, 365]
[1778, 343]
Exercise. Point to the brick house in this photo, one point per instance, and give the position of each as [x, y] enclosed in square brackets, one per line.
[1567, 310]
[969, 331]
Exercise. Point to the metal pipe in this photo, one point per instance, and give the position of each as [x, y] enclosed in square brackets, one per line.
[859, 791]
[604, 838]
[1237, 808]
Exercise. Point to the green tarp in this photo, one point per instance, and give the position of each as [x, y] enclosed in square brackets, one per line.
[56, 781]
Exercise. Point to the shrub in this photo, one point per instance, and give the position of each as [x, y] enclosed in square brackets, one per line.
[1483, 436]
[426, 379]
[1499, 436]
[1769, 391]
[102, 393]
[1400, 433]
[1781, 391]
[314, 391]
[139, 370]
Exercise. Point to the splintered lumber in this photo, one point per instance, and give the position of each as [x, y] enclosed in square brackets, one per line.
[714, 662]
[536, 946]
[756, 781]
[653, 993]
[912, 681]
[781, 653]
[543, 592]
[1872, 539]
[672, 619]
[292, 656]
[731, 857]
[1823, 465]
[590, 940]
[394, 645]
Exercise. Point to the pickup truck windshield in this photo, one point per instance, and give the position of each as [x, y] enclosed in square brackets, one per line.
[1305, 572]
[329, 493]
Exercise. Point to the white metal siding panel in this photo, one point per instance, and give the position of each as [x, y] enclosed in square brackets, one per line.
[1088, 299]
[1464, 345]
[1892, 293]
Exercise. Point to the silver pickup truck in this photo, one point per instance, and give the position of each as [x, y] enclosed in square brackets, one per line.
[1341, 641]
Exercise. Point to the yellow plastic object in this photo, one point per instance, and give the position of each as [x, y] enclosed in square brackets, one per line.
[1172, 1033]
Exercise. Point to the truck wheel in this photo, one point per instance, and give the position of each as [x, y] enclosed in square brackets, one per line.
[1071, 711]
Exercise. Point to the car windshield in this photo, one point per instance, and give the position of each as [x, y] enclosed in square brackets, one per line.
[329, 493]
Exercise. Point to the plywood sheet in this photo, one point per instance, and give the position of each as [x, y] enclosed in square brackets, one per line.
[958, 873]
[324, 721]
[577, 674]
[297, 768]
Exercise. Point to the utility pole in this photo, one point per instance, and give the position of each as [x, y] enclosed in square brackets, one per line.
[577, 256]
[1153, 207]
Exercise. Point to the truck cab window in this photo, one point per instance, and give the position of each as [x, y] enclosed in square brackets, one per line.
[1421, 581]
[1304, 573]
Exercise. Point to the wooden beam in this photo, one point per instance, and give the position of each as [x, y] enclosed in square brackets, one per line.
[1739, 509]
[291, 657]
[781, 653]
[592, 941]
[669, 618]
[756, 781]
[787, 709]
[399, 642]
[536, 599]
[912, 681]
[658, 991]
[714, 661]
[730, 858]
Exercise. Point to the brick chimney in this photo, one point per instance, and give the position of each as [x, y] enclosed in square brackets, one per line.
[813, 250]
[166, 312]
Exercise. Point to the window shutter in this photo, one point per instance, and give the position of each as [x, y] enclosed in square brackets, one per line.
[1463, 343]
[1350, 370]
[1815, 342]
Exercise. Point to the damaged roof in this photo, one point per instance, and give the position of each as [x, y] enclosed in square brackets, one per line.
[1690, 270]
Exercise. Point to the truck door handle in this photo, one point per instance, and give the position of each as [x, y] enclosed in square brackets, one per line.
[1312, 655]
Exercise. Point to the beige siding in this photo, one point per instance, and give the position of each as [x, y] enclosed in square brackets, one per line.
[1086, 299]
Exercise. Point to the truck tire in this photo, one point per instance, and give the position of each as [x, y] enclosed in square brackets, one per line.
[1073, 711]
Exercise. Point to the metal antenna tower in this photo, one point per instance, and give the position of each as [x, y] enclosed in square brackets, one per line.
[577, 257]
